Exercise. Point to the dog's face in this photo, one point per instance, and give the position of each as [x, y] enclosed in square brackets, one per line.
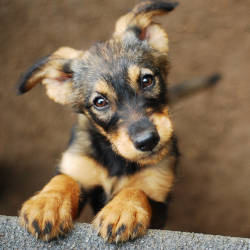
[120, 85]
[121, 88]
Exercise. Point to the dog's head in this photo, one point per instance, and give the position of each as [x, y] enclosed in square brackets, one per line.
[120, 85]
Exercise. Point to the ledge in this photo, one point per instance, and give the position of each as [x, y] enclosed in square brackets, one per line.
[12, 236]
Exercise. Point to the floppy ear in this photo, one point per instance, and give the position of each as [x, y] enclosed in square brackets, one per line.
[139, 21]
[55, 73]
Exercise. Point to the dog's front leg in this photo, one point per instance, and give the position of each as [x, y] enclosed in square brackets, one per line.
[125, 217]
[50, 213]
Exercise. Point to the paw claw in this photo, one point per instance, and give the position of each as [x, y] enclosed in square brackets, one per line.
[121, 222]
[46, 218]
[137, 227]
[36, 227]
[109, 231]
[48, 228]
[61, 236]
[46, 237]
[121, 229]
[117, 239]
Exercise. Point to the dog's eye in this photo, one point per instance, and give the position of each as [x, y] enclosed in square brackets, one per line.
[147, 81]
[100, 102]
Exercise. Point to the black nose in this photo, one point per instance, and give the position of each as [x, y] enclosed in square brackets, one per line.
[146, 141]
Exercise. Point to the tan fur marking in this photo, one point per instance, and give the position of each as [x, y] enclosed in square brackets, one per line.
[133, 74]
[155, 158]
[163, 125]
[81, 143]
[158, 38]
[124, 146]
[149, 110]
[56, 204]
[145, 71]
[58, 84]
[57, 92]
[101, 130]
[125, 217]
[155, 181]
[86, 171]
[34, 80]
[67, 53]
[122, 24]
[133, 18]
[104, 88]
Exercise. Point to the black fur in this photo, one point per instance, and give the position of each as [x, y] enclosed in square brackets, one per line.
[159, 212]
[97, 198]
[158, 5]
[67, 67]
[36, 227]
[22, 88]
[82, 200]
[48, 228]
[107, 125]
[116, 165]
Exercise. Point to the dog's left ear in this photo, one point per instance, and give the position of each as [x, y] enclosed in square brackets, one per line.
[139, 21]
[55, 72]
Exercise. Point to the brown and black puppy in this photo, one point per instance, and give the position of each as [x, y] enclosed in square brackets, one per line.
[123, 153]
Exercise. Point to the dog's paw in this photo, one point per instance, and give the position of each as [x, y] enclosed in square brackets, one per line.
[47, 215]
[121, 220]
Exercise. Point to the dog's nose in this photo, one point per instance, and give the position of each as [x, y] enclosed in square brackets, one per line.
[146, 141]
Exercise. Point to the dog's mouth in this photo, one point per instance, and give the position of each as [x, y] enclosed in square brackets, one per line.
[155, 151]
[154, 156]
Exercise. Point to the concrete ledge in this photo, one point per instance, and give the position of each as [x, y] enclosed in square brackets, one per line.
[12, 236]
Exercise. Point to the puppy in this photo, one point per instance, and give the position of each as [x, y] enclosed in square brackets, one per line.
[122, 153]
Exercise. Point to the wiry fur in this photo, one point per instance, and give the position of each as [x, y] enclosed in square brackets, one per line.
[122, 156]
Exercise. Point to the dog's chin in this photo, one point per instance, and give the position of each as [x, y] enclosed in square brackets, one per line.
[145, 158]
[152, 157]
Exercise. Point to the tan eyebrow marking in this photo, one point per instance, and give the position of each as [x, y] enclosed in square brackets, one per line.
[145, 71]
[104, 88]
[133, 75]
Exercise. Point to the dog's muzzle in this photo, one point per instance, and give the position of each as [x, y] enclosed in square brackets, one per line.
[144, 135]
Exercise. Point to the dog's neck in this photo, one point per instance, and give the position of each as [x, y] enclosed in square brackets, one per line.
[103, 152]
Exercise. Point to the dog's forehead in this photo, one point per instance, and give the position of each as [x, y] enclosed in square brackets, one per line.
[112, 58]
[116, 64]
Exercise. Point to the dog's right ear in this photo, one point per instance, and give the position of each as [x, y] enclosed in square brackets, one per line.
[55, 73]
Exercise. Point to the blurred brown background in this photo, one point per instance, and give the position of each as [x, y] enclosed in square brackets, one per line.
[212, 193]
